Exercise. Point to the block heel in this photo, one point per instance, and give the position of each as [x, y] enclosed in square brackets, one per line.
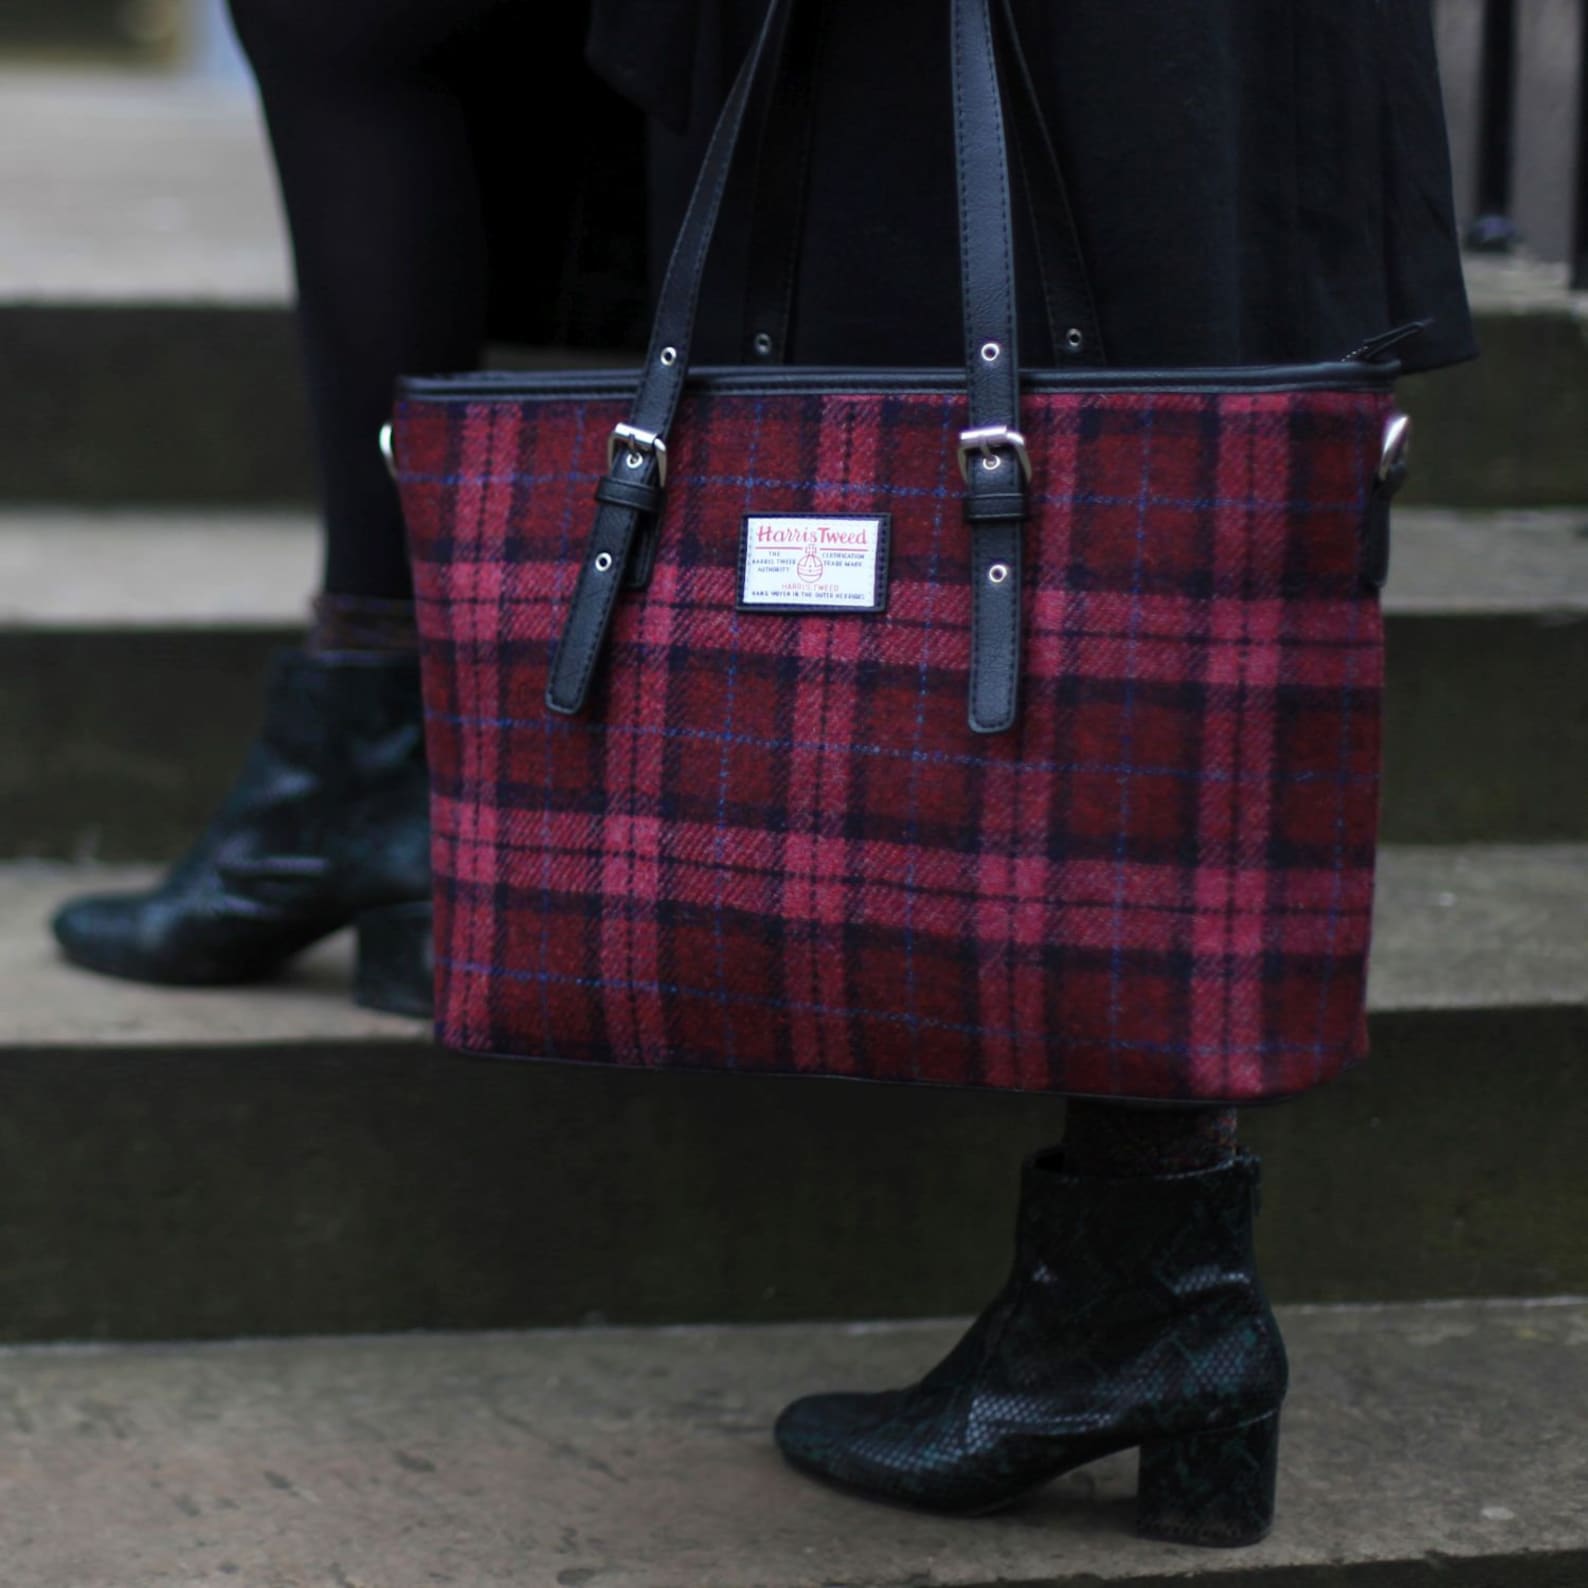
[1214, 1488]
[395, 967]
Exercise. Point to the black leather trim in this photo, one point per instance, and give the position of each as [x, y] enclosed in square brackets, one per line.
[1376, 526]
[590, 612]
[995, 497]
[986, 223]
[982, 506]
[661, 384]
[996, 516]
[804, 379]
[639, 495]
[642, 558]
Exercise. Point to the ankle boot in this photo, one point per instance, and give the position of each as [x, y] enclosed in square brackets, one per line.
[1132, 1317]
[326, 825]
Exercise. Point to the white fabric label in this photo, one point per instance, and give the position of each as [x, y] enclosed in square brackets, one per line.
[826, 563]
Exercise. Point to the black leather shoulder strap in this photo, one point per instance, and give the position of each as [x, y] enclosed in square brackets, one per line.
[995, 469]
[992, 451]
[638, 450]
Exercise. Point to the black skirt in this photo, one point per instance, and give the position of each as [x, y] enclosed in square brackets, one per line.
[1253, 180]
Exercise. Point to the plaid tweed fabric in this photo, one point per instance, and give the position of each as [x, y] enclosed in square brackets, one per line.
[773, 844]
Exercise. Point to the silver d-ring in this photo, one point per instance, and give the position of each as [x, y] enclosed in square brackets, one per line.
[1397, 443]
[386, 449]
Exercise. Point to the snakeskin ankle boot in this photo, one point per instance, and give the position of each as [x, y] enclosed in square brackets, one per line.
[326, 825]
[1133, 1317]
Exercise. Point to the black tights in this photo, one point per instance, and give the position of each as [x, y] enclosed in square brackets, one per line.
[388, 235]
[383, 199]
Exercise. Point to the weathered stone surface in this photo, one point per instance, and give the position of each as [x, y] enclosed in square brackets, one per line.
[1507, 431]
[1423, 1445]
[271, 1160]
[1481, 927]
[136, 189]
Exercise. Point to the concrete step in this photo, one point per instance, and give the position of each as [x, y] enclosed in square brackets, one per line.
[132, 646]
[143, 308]
[1508, 430]
[208, 1164]
[100, 31]
[1424, 1447]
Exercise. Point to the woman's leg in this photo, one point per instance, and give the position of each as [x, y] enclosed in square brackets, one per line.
[388, 237]
[1120, 1140]
[326, 824]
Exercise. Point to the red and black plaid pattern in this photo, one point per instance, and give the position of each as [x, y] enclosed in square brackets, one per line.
[773, 844]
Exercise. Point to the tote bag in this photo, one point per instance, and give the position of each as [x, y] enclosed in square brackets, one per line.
[982, 726]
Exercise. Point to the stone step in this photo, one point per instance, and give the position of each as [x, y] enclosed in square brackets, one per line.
[270, 1160]
[132, 646]
[144, 308]
[99, 31]
[1424, 1447]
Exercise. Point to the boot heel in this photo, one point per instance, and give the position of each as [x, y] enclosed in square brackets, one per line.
[1214, 1488]
[395, 968]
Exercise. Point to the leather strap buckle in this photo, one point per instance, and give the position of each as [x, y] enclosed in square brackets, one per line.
[989, 441]
[639, 444]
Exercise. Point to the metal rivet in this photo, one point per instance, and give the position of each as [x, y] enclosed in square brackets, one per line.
[603, 561]
[991, 461]
[633, 460]
[1074, 340]
[998, 573]
[669, 355]
[990, 352]
[763, 343]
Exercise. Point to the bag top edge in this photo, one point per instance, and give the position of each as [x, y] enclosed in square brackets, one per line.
[797, 380]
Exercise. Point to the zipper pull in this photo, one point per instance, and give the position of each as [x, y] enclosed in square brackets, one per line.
[1373, 350]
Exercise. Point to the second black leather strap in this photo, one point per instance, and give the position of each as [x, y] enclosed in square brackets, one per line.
[992, 450]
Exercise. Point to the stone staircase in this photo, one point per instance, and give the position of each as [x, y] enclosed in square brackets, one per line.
[449, 1321]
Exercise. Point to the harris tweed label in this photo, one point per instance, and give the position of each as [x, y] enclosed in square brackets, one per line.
[813, 563]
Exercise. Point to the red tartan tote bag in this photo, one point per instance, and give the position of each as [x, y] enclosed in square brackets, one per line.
[988, 727]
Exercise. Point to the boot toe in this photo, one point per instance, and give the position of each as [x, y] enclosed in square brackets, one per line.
[101, 932]
[834, 1436]
[146, 937]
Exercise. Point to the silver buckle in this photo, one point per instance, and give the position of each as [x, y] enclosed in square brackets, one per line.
[640, 443]
[989, 441]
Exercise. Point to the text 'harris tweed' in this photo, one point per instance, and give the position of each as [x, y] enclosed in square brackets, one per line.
[773, 844]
